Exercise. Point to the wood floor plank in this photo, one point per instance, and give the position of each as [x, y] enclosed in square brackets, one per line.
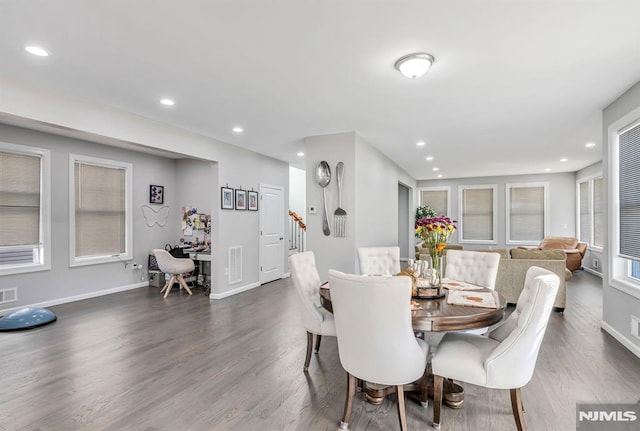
[134, 361]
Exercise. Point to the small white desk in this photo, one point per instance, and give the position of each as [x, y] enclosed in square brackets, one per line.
[203, 268]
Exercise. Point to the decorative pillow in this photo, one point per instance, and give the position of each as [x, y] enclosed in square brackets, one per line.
[518, 253]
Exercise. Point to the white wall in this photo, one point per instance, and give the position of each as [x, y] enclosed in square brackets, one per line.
[298, 191]
[331, 252]
[370, 198]
[562, 202]
[618, 306]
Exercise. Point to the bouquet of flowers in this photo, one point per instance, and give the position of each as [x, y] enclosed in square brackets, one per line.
[435, 232]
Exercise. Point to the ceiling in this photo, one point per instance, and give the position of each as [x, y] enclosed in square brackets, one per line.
[516, 85]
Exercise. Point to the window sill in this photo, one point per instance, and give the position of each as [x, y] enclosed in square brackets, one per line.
[98, 260]
[24, 269]
[627, 287]
[479, 242]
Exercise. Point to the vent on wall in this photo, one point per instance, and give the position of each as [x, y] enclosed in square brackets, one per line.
[8, 295]
[235, 264]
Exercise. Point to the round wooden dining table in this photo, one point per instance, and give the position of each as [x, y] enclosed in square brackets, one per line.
[437, 315]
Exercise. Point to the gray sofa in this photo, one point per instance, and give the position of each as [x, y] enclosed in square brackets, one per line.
[512, 271]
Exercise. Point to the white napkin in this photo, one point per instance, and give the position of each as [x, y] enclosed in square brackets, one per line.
[459, 285]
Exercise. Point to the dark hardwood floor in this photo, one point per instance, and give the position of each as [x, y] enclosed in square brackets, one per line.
[133, 361]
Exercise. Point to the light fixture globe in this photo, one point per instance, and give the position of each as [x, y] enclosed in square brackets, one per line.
[414, 65]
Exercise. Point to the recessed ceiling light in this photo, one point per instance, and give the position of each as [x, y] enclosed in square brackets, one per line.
[414, 65]
[300, 154]
[238, 129]
[420, 144]
[564, 159]
[167, 102]
[36, 50]
[428, 158]
[590, 144]
[439, 175]
[436, 169]
[547, 169]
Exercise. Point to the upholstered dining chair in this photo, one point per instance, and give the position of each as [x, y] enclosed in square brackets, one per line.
[379, 260]
[381, 351]
[506, 358]
[472, 267]
[316, 320]
[175, 268]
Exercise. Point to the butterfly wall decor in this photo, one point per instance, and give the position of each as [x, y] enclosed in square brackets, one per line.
[153, 217]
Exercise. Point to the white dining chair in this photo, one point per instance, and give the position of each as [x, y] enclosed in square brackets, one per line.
[175, 268]
[316, 320]
[378, 350]
[379, 260]
[506, 358]
[473, 267]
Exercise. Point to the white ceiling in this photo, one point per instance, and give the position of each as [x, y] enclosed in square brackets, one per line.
[516, 85]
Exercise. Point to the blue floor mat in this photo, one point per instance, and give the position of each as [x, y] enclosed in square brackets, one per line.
[26, 318]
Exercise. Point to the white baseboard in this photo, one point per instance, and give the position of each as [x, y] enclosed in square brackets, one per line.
[621, 338]
[286, 275]
[591, 271]
[234, 291]
[80, 297]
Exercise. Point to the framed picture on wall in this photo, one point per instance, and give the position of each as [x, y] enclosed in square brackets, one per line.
[226, 198]
[253, 201]
[241, 199]
[156, 194]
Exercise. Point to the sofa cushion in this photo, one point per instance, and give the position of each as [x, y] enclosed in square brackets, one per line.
[558, 243]
[519, 253]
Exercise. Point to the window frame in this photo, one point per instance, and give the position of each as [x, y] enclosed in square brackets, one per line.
[45, 209]
[446, 189]
[116, 257]
[591, 193]
[619, 271]
[507, 206]
[461, 189]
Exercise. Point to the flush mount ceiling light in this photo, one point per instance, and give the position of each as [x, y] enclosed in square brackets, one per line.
[238, 129]
[300, 154]
[414, 65]
[167, 102]
[36, 50]
[590, 144]
[428, 158]
[564, 159]
[420, 144]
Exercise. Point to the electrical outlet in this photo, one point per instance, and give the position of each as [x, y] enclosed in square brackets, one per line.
[635, 326]
[596, 263]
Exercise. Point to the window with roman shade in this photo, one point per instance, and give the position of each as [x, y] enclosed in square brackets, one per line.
[477, 223]
[598, 212]
[437, 198]
[24, 217]
[591, 207]
[584, 217]
[101, 219]
[526, 213]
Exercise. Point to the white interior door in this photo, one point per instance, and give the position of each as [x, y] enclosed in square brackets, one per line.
[271, 233]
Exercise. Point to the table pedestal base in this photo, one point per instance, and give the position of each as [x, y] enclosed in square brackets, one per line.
[453, 393]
